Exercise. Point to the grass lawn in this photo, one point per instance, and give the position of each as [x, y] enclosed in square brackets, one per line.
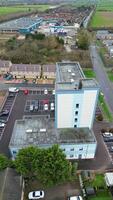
[110, 76]
[102, 19]
[89, 73]
[104, 195]
[105, 108]
[23, 8]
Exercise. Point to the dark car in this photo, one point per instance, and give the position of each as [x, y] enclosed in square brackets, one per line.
[111, 149]
[4, 113]
[108, 139]
[11, 95]
[3, 121]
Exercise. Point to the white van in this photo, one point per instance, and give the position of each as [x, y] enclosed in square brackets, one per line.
[13, 89]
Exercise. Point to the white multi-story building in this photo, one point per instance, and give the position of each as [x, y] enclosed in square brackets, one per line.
[76, 97]
[76, 143]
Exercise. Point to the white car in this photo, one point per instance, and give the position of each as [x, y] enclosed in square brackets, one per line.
[45, 106]
[52, 107]
[107, 134]
[2, 124]
[53, 92]
[36, 195]
[13, 89]
[76, 198]
[45, 91]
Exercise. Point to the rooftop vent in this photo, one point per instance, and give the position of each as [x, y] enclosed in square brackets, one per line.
[29, 131]
[73, 74]
[43, 130]
[69, 70]
[72, 80]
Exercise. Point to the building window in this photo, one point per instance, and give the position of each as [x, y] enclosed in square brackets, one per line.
[81, 149]
[80, 156]
[72, 149]
[71, 156]
[76, 112]
[77, 105]
[75, 126]
[14, 152]
[76, 119]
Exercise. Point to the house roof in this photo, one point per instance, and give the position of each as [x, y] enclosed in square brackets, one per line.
[5, 63]
[49, 68]
[10, 185]
[26, 67]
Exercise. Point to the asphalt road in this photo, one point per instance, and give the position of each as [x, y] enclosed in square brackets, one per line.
[101, 76]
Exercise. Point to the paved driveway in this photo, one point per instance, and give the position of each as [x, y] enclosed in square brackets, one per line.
[59, 192]
[102, 160]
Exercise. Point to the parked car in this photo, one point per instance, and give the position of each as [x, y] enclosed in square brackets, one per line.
[36, 107]
[52, 107]
[36, 195]
[75, 198]
[4, 113]
[13, 89]
[45, 91]
[107, 134]
[45, 106]
[2, 125]
[11, 94]
[53, 92]
[111, 149]
[31, 108]
[108, 139]
[3, 121]
[26, 92]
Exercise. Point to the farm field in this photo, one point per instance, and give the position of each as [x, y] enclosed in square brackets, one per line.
[103, 5]
[102, 19]
[21, 8]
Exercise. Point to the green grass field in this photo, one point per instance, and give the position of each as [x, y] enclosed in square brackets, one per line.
[105, 5]
[105, 109]
[102, 19]
[89, 73]
[104, 195]
[110, 76]
[22, 8]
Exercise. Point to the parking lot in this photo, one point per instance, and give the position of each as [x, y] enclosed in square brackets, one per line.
[4, 114]
[109, 144]
[19, 106]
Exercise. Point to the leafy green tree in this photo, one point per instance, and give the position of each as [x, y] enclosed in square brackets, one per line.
[54, 167]
[49, 165]
[83, 40]
[4, 162]
[25, 161]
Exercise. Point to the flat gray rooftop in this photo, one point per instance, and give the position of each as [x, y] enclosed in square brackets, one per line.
[66, 72]
[69, 76]
[40, 131]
